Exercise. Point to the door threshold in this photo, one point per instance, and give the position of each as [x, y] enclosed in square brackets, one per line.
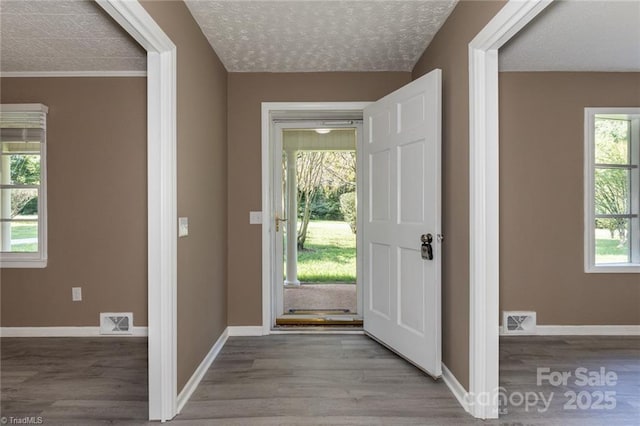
[319, 312]
[319, 321]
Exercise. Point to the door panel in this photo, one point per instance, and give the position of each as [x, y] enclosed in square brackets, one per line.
[402, 161]
[411, 113]
[380, 206]
[411, 192]
[411, 290]
[380, 126]
[381, 279]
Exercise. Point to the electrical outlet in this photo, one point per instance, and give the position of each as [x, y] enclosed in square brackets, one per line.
[76, 294]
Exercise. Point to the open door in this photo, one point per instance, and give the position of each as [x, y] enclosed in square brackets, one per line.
[402, 221]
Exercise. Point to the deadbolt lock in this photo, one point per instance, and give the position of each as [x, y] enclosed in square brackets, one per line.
[426, 251]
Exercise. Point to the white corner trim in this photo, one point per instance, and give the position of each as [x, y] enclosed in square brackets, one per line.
[456, 388]
[248, 330]
[484, 204]
[9, 74]
[583, 330]
[197, 375]
[161, 201]
[66, 332]
[514, 15]
[135, 20]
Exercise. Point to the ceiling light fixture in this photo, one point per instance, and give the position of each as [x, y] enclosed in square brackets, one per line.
[323, 131]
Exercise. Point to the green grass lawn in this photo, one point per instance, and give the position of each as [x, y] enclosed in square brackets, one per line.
[329, 255]
[608, 250]
[24, 230]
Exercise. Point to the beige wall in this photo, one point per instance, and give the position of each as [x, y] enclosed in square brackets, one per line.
[202, 186]
[246, 92]
[448, 51]
[96, 148]
[541, 199]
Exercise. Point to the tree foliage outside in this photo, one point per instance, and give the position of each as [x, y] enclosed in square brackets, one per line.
[309, 171]
[322, 176]
[612, 184]
[25, 170]
[326, 205]
[348, 209]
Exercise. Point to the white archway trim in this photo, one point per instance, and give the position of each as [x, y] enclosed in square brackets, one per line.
[161, 201]
[484, 202]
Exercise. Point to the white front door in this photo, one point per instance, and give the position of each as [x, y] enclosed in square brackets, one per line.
[402, 181]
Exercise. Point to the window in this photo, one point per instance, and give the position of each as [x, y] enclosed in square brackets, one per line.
[612, 189]
[23, 194]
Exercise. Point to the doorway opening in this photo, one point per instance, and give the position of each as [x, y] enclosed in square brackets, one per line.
[310, 306]
[398, 222]
[315, 204]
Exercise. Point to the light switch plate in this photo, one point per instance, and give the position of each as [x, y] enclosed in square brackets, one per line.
[183, 226]
[255, 218]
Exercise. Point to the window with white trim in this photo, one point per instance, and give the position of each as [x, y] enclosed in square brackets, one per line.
[612, 190]
[23, 189]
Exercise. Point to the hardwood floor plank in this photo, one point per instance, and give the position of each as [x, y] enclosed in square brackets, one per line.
[59, 374]
[520, 358]
[324, 421]
[304, 380]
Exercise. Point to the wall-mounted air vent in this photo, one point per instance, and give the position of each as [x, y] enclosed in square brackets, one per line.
[116, 323]
[522, 322]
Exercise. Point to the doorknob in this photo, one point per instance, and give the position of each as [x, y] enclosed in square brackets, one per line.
[278, 220]
[426, 250]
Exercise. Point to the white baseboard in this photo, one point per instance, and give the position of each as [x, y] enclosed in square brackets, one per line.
[197, 375]
[582, 330]
[456, 388]
[249, 330]
[66, 332]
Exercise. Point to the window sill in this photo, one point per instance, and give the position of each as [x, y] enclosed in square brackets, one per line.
[627, 268]
[23, 263]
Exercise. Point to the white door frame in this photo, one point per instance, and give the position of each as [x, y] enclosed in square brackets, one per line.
[484, 202]
[276, 176]
[161, 201]
[268, 109]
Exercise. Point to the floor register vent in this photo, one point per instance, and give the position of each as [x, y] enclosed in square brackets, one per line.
[116, 323]
[522, 322]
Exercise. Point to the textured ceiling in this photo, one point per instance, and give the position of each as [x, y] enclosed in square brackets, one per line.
[311, 35]
[290, 36]
[578, 36]
[56, 35]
